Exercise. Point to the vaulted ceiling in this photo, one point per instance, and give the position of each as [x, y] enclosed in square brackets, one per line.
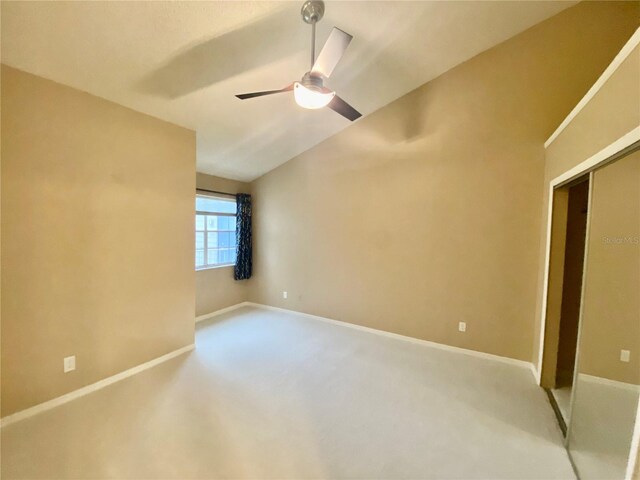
[184, 61]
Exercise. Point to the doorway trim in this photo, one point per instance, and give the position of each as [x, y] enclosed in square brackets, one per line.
[606, 155]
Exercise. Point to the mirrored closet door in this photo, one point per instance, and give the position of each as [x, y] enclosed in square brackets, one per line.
[606, 381]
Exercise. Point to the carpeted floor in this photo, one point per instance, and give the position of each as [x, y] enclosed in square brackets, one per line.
[275, 395]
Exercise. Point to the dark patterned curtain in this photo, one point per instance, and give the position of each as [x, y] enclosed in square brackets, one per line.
[244, 255]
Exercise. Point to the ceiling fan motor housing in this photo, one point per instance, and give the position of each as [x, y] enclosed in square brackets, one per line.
[312, 11]
[312, 81]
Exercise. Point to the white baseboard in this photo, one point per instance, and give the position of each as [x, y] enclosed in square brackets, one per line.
[611, 383]
[67, 397]
[207, 316]
[49, 404]
[441, 346]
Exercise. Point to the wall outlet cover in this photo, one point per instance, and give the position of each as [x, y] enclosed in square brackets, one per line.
[462, 326]
[625, 355]
[69, 363]
[284, 294]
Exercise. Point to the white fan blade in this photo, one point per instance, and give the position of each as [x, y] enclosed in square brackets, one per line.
[332, 52]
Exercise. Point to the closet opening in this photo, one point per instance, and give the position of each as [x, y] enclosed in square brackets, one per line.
[568, 241]
[576, 232]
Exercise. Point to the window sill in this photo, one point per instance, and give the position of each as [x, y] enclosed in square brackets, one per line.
[211, 267]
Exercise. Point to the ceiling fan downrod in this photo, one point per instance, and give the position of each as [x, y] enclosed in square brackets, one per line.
[312, 12]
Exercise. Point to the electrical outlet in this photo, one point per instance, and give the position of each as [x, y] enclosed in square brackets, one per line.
[462, 326]
[284, 294]
[69, 363]
[625, 355]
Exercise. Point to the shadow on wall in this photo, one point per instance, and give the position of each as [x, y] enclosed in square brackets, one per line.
[390, 138]
[410, 122]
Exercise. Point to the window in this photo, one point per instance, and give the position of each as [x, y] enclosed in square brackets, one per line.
[215, 232]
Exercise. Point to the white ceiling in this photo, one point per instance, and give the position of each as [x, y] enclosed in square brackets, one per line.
[184, 61]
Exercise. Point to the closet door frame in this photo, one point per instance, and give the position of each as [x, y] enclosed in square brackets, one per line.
[619, 148]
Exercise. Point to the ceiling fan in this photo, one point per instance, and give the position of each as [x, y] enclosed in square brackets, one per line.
[310, 91]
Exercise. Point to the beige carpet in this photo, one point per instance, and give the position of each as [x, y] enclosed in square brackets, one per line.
[275, 395]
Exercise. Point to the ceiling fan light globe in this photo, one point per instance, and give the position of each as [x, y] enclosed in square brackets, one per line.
[310, 98]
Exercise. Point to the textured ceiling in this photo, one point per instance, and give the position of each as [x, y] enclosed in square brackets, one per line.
[184, 61]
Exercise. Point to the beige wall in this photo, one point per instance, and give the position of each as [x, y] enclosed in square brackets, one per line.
[97, 238]
[612, 112]
[215, 287]
[427, 212]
